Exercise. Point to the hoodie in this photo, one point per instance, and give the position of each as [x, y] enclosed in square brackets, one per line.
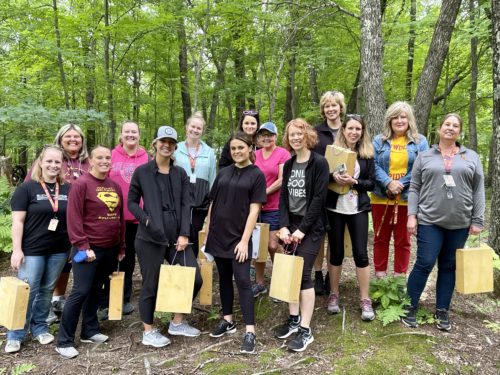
[122, 169]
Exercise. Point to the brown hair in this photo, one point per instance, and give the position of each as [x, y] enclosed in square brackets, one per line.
[448, 115]
[245, 138]
[364, 146]
[310, 135]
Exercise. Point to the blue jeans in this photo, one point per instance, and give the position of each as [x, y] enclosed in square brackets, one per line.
[41, 273]
[436, 244]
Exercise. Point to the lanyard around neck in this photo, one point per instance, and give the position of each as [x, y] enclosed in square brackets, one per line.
[54, 203]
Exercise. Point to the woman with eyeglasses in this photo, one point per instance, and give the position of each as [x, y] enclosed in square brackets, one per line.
[270, 160]
[352, 209]
[445, 205]
[71, 139]
[332, 108]
[40, 241]
[395, 152]
[198, 160]
[303, 222]
[248, 123]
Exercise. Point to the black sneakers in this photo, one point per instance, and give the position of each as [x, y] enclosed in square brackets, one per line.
[286, 329]
[410, 319]
[222, 328]
[302, 339]
[248, 345]
[443, 320]
[319, 286]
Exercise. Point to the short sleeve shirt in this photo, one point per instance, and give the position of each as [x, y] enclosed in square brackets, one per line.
[270, 168]
[37, 238]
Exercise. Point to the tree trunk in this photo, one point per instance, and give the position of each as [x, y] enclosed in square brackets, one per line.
[109, 79]
[59, 54]
[371, 64]
[494, 238]
[219, 84]
[239, 72]
[353, 103]
[433, 66]
[473, 79]
[136, 85]
[183, 70]
[411, 50]
[289, 110]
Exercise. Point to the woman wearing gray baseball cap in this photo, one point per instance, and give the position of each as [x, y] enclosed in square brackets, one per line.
[164, 224]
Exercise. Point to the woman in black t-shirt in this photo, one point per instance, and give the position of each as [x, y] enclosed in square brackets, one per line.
[40, 241]
[237, 195]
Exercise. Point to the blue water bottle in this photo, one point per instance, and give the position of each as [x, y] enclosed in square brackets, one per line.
[80, 256]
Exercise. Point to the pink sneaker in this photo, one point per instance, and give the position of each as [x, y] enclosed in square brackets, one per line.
[332, 306]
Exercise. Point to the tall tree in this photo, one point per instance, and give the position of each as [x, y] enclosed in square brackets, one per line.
[60, 62]
[411, 50]
[371, 63]
[494, 238]
[473, 78]
[108, 74]
[434, 61]
[183, 69]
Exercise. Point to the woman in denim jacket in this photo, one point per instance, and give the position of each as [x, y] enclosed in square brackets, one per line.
[395, 151]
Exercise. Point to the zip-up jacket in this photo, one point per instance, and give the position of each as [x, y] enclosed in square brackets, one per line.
[145, 185]
[325, 138]
[315, 221]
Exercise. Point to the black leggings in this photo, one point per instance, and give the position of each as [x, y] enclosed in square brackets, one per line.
[197, 220]
[226, 268]
[151, 257]
[358, 229]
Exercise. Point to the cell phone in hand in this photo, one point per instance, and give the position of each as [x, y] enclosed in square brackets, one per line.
[340, 169]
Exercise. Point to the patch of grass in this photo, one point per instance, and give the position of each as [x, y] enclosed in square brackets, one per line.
[270, 356]
[263, 308]
[226, 368]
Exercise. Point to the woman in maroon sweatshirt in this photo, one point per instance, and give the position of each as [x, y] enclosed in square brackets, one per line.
[96, 228]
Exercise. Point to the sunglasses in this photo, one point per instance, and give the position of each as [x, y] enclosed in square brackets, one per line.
[250, 112]
[354, 116]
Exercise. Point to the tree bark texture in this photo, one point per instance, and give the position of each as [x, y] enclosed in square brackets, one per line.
[434, 61]
[371, 64]
[411, 51]
[109, 78]
[183, 69]
[494, 236]
[473, 79]
[60, 62]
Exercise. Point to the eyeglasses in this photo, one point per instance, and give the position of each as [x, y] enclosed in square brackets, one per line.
[354, 116]
[250, 112]
[266, 135]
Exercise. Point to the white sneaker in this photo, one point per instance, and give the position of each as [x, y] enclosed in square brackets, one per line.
[154, 338]
[45, 338]
[96, 339]
[12, 346]
[68, 353]
[183, 329]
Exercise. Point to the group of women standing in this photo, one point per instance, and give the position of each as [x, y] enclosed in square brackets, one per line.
[170, 196]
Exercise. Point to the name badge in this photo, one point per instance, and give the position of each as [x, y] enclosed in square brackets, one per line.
[53, 224]
[449, 181]
[192, 179]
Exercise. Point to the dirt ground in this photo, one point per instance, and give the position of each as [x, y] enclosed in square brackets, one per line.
[343, 344]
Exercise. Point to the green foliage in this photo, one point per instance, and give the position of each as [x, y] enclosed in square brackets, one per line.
[390, 294]
[23, 368]
[165, 317]
[493, 326]
[5, 195]
[5, 233]
[424, 316]
[214, 314]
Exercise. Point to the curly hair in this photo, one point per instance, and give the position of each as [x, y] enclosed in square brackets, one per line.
[310, 135]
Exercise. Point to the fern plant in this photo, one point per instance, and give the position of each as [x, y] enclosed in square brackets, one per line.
[5, 219]
[390, 295]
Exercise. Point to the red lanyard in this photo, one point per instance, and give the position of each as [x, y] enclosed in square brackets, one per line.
[448, 159]
[54, 203]
[192, 158]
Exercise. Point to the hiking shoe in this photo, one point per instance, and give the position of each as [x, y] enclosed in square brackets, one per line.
[319, 287]
[258, 289]
[222, 328]
[154, 338]
[367, 313]
[326, 285]
[286, 329]
[58, 305]
[249, 342]
[102, 314]
[127, 308]
[410, 319]
[443, 320]
[52, 317]
[12, 346]
[332, 306]
[183, 329]
[96, 339]
[302, 339]
[68, 353]
[45, 338]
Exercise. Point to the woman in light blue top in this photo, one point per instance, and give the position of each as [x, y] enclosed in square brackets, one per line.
[198, 160]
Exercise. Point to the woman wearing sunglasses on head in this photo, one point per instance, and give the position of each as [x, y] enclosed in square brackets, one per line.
[249, 123]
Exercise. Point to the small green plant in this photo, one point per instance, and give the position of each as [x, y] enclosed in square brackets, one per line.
[390, 294]
[164, 317]
[493, 326]
[5, 233]
[214, 314]
[424, 316]
[23, 368]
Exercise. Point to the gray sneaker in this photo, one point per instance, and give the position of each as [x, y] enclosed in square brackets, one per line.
[45, 338]
[96, 339]
[127, 308]
[332, 306]
[367, 313]
[183, 329]
[102, 314]
[154, 338]
[258, 289]
[58, 305]
[52, 317]
[12, 346]
[68, 353]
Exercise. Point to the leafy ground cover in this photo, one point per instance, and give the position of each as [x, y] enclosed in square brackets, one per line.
[343, 343]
